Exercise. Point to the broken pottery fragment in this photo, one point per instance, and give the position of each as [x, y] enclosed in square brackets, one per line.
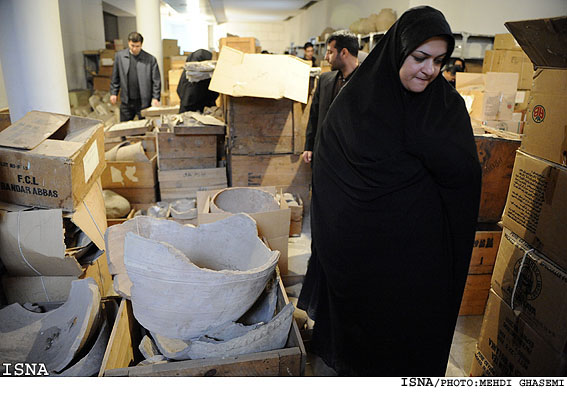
[187, 280]
[147, 347]
[231, 339]
[243, 200]
[264, 308]
[157, 359]
[184, 209]
[54, 337]
[89, 365]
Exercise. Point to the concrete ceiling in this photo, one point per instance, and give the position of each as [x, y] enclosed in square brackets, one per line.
[243, 10]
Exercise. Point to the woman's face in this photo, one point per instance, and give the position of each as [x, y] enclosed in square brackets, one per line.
[422, 66]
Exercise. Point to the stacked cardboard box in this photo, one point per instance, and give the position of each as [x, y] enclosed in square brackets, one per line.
[53, 162]
[170, 47]
[101, 81]
[243, 44]
[172, 63]
[524, 332]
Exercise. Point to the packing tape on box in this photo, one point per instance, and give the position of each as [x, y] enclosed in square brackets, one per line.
[530, 251]
[26, 261]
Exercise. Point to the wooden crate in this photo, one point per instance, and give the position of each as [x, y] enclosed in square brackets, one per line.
[476, 294]
[260, 125]
[485, 249]
[286, 171]
[143, 195]
[120, 354]
[243, 44]
[186, 151]
[185, 183]
[497, 160]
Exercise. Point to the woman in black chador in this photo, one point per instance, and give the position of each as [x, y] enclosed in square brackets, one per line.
[195, 96]
[396, 188]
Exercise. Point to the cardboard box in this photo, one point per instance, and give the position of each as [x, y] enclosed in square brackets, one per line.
[510, 61]
[105, 70]
[130, 174]
[173, 76]
[256, 75]
[496, 157]
[545, 43]
[101, 82]
[505, 41]
[50, 160]
[32, 241]
[522, 100]
[170, 47]
[545, 132]
[489, 96]
[513, 347]
[536, 208]
[296, 219]
[243, 44]
[480, 366]
[539, 295]
[272, 225]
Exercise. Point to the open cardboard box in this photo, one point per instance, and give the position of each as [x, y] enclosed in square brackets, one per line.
[50, 160]
[489, 96]
[545, 43]
[272, 225]
[32, 245]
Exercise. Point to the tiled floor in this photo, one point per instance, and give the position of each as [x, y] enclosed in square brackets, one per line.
[466, 332]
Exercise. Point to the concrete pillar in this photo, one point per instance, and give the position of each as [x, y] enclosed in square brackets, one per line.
[148, 24]
[31, 53]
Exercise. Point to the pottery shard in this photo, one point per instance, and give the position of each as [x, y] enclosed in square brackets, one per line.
[243, 200]
[54, 337]
[231, 339]
[186, 280]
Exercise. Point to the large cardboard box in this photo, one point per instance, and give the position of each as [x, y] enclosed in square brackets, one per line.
[40, 258]
[243, 44]
[485, 248]
[130, 174]
[510, 61]
[536, 208]
[489, 96]
[505, 41]
[255, 75]
[50, 160]
[513, 347]
[545, 43]
[272, 225]
[101, 82]
[480, 366]
[170, 47]
[539, 295]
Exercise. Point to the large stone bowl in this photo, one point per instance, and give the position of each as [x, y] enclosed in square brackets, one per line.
[188, 280]
[243, 200]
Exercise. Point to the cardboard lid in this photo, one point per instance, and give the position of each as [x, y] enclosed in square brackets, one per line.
[32, 129]
[543, 40]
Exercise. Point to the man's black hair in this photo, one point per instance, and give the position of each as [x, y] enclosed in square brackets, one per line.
[307, 45]
[344, 39]
[135, 37]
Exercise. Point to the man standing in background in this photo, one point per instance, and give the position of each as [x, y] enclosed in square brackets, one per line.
[136, 75]
[342, 55]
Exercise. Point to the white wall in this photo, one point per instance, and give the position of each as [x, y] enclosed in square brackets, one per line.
[488, 16]
[3, 96]
[473, 16]
[82, 28]
[126, 25]
[191, 34]
[271, 35]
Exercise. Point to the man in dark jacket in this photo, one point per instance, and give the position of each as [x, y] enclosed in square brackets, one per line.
[136, 75]
[195, 96]
[342, 52]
